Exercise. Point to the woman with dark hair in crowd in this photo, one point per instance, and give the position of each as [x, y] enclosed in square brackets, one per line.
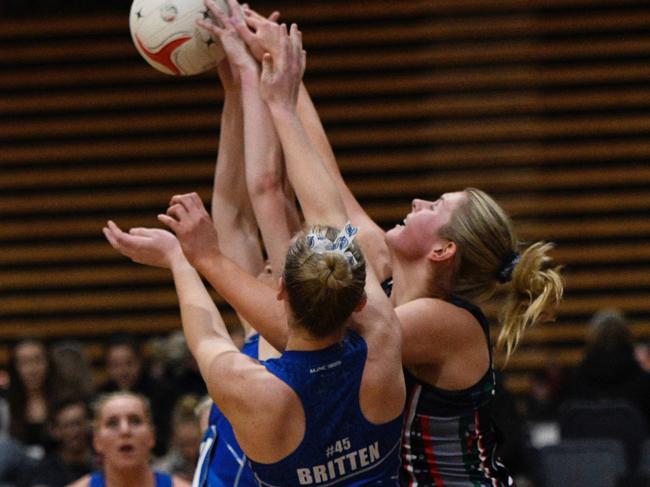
[128, 371]
[33, 385]
[609, 369]
[74, 375]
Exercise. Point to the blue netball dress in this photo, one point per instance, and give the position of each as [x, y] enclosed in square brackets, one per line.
[449, 439]
[162, 480]
[341, 447]
[221, 461]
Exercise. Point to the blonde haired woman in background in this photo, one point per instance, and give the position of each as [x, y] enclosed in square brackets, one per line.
[124, 436]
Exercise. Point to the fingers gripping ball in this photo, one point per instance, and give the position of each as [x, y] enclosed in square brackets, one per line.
[166, 35]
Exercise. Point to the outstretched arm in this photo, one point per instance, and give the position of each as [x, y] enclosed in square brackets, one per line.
[232, 214]
[317, 192]
[204, 329]
[275, 213]
[371, 235]
[283, 63]
[253, 300]
[282, 70]
[207, 338]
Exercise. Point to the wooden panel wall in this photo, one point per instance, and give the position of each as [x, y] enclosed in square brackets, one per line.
[544, 104]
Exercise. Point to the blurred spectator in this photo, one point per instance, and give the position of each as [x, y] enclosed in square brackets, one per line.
[183, 453]
[642, 355]
[15, 464]
[155, 348]
[4, 415]
[72, 458]
[33, 385]
[124, 367]
[74, 376]
[202, 412]
[181, 371]
[126, 372]
[609, 368]
[547, 393]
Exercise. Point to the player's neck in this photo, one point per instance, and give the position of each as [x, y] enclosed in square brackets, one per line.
[411, 280]
[301, 340]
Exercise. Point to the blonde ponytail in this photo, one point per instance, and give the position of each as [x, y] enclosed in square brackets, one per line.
[488, 255]
[535, 290]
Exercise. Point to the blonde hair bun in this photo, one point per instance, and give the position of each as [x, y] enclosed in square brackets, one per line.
[333, 271]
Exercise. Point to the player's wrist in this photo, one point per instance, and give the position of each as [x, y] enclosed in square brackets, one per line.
[250, 75]
[205, 260]
[283, 111]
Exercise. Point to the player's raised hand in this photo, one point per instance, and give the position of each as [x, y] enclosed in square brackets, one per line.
[193, 227]
[229, 75]
[252, 34]
[252, 16]
[283, 66]
[149, 246]
[222, 26]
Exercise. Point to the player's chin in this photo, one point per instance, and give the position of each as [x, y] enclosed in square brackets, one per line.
[394, 232]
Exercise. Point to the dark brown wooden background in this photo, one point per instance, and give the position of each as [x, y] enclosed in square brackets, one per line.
[544, 104]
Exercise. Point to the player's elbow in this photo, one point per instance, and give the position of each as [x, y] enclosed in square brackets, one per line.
[264, 183]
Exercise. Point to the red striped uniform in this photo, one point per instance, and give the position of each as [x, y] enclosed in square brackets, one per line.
[448, 438]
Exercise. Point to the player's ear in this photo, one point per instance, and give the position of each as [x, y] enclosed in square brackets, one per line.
[362, 303]
[443, 251]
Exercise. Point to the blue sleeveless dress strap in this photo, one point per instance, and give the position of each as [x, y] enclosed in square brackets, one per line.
[97, 479]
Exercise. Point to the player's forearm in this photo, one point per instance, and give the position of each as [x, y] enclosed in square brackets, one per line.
[229, 190]
[201, 320]
[314, 187]
[370, 234]
[232, 213]
[253, 300]
[316, 133]
[265, 173]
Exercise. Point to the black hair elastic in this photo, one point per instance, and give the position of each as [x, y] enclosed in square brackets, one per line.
[507, 266]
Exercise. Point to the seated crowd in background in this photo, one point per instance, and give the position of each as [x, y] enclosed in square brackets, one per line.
[614, 366]
[45, 418]
[46, 424]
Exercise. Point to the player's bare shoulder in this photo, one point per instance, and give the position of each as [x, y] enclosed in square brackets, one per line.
[179, 482]
[82, 482]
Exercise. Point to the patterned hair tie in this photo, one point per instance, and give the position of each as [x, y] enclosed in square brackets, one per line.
[340, 245]
[507, 266]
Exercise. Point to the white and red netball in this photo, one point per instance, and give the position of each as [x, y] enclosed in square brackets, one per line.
[166, 35]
